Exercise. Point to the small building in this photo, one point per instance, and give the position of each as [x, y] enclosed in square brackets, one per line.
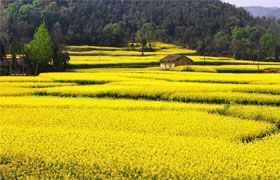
[171, 61]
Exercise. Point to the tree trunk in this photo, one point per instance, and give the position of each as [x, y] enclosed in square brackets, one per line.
[10, 67]
[15, 63]
[37, 69]
[204, 60]
[259, 60]
[23, 69]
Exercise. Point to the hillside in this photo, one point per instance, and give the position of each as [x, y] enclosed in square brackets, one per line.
[113, 23]
[258, 11]
[276, 13]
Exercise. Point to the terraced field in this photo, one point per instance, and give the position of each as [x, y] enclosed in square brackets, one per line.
[145, 123]
[108, 57]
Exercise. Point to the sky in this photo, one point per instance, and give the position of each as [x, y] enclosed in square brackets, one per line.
[264, 3]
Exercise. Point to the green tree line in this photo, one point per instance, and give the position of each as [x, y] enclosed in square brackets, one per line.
[107, 22]
[250, 43]
[42, 54]
[210, 26]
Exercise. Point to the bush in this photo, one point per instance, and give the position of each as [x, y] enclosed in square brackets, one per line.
[4, 72]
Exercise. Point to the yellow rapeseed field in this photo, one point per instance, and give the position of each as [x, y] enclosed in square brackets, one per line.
[106, 56]
[140, 123]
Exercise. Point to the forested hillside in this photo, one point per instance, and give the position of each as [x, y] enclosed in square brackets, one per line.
[113, 23]
[210, 26]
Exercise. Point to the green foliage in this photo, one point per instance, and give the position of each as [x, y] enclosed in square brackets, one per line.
[219, 35]
[201, 47]
[224, 29]
[45, 55]
[149, 30]
[40, 50]
[267, 43]
[140, 37]
[114, 35]
[14, 52]
[14, 49]
[41, 46]
[60, 59]
[221, 43]
[13, 11]
[83, 22]
[26, 11]
[4, 72]
[2, 51]
[37, 3]
[51, 14]
[277, 51]
[253, 33]
[238, 33]
[244, 42]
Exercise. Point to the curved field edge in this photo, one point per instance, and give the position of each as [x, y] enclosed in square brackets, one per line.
[159, 108]
[208, 98]
[195, 158]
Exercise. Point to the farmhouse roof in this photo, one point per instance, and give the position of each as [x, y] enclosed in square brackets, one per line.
[172, 58]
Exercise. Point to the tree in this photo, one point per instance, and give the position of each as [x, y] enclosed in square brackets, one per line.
[140, 38]
[237, 47]
[2, 51]
[37, 3]
[2, 58]
[50, 14]
[57, 34]
[238, 33]
[244, 42]
[60, 60]
[4, 35]
[40, 50]
[268, 43]
[14, 52]
[255, 34]
[201, 48]
[277, 51]
[82, 22]
[222, 43]
[114, 34]
[148, 31]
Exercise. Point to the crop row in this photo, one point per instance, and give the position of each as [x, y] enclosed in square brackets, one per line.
[120, 85]
[153, 74]
[55, 138]
[183, 93]
[259, 113]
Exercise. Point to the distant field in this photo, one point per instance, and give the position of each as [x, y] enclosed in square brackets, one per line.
[158, 49]
[141, 123]
[96, 56]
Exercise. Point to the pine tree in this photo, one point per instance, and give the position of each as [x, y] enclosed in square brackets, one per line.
[40, 50]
